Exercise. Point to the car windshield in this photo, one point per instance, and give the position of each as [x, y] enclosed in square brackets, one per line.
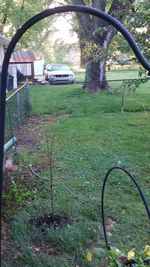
[57, 68]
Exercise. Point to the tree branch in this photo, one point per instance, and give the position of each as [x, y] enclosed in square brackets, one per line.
[22, 5]
[118, 8]
[5, 15]
[84, 19]
[101, 5]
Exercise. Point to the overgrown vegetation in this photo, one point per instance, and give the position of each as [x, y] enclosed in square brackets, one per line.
[91, 135]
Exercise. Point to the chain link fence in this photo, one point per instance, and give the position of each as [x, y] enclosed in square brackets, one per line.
[120, 86]
[17, 110]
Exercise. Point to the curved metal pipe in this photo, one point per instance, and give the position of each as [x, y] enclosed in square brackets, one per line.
[9, 144]
[102, 198]
[31, 22]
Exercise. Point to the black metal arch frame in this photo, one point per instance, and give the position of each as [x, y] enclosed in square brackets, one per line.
[57, 10]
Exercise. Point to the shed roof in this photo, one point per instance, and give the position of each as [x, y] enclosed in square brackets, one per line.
[22, 57]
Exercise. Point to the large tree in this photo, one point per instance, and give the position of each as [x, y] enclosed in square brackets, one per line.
[96, 35]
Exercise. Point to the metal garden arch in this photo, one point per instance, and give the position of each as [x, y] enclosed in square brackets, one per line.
[57, 10]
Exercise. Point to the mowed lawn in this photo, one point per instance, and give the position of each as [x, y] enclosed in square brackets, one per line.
[91, 135]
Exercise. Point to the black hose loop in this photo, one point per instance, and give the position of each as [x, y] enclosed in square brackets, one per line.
[102, 198]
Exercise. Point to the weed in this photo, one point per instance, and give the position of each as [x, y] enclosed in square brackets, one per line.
[20, 194]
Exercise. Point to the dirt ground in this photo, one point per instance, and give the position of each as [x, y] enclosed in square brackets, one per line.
[32, 130]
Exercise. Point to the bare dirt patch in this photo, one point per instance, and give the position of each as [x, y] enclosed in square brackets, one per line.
[6, 250]
[31, 132]
[48, 221]
[44, 247]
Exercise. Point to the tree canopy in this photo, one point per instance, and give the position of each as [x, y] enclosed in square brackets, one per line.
[16, 12]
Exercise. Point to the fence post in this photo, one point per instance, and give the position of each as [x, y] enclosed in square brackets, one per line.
[122, 96]
[18, 108]
[27, 99]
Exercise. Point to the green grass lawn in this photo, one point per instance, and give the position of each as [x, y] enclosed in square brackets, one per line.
[91, 135]
[112, 75]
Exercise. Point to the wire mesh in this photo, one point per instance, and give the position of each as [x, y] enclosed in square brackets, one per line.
[17, 110]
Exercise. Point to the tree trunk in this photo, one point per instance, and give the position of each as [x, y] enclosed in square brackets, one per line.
[103, 84]
[92, 28]
[82, 58]
[95, 76]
